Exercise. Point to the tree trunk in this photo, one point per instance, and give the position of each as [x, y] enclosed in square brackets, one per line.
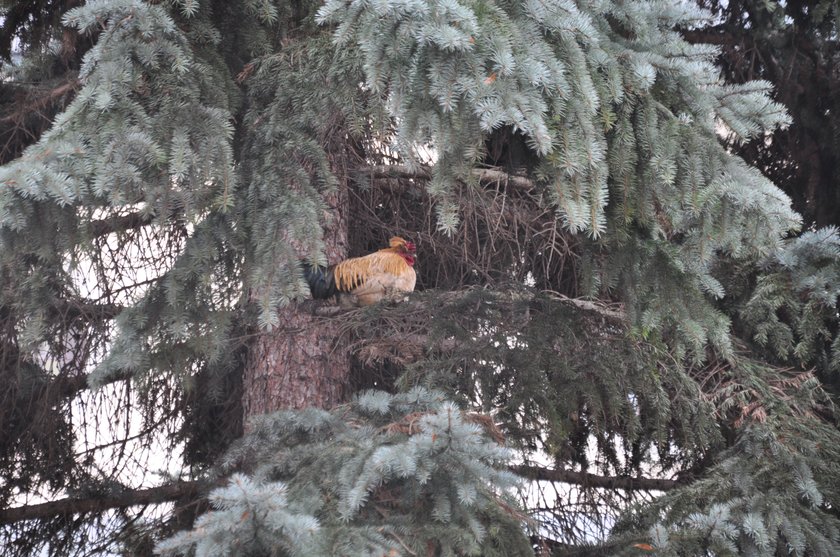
[299, 363]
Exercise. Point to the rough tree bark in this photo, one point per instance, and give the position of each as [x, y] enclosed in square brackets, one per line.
[299, 363]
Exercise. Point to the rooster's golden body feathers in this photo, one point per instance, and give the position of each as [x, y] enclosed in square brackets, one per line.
[362, 281]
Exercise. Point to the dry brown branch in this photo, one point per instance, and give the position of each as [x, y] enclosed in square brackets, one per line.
[487, 424]
[41, 101]
[407, 425]
[29, 114]
[247, 71]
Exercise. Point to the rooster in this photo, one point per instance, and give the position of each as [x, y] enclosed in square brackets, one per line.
[363, 281]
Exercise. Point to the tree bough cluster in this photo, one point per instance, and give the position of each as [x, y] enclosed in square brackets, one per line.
[612, 304]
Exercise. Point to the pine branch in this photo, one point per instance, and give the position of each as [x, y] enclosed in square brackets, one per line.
[489, 175]
[484, 175]
[586, 479]
[67, 387]
[722, 35]
[399, 171]
[51, 390]
[601, 309]
[74, 308]
[93, 504]
[120, 223]
[718, 35]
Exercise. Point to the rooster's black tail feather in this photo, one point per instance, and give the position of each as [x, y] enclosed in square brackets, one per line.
[321, 281]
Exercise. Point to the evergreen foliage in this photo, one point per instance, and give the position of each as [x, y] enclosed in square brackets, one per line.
[793, 44]
[288, 169]
[383, 475]
[586, 313]
[668, 174]
[773, 464]
[793, 309]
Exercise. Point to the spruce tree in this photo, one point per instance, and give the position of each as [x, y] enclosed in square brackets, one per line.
[794, 45]
[612, 344]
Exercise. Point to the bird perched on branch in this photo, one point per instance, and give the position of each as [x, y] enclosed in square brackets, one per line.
[362, 281]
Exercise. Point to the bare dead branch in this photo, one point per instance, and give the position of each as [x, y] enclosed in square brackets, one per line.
[585, 479]
[41, 101]
[119, 223]
[601, 309]
[66, 387]
[711, 35]
[399, 171]
[80, 308]
[127, 498]
[484, 175]
[489, 175]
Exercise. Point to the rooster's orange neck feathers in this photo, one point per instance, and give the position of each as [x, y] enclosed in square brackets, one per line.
[403, 248]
